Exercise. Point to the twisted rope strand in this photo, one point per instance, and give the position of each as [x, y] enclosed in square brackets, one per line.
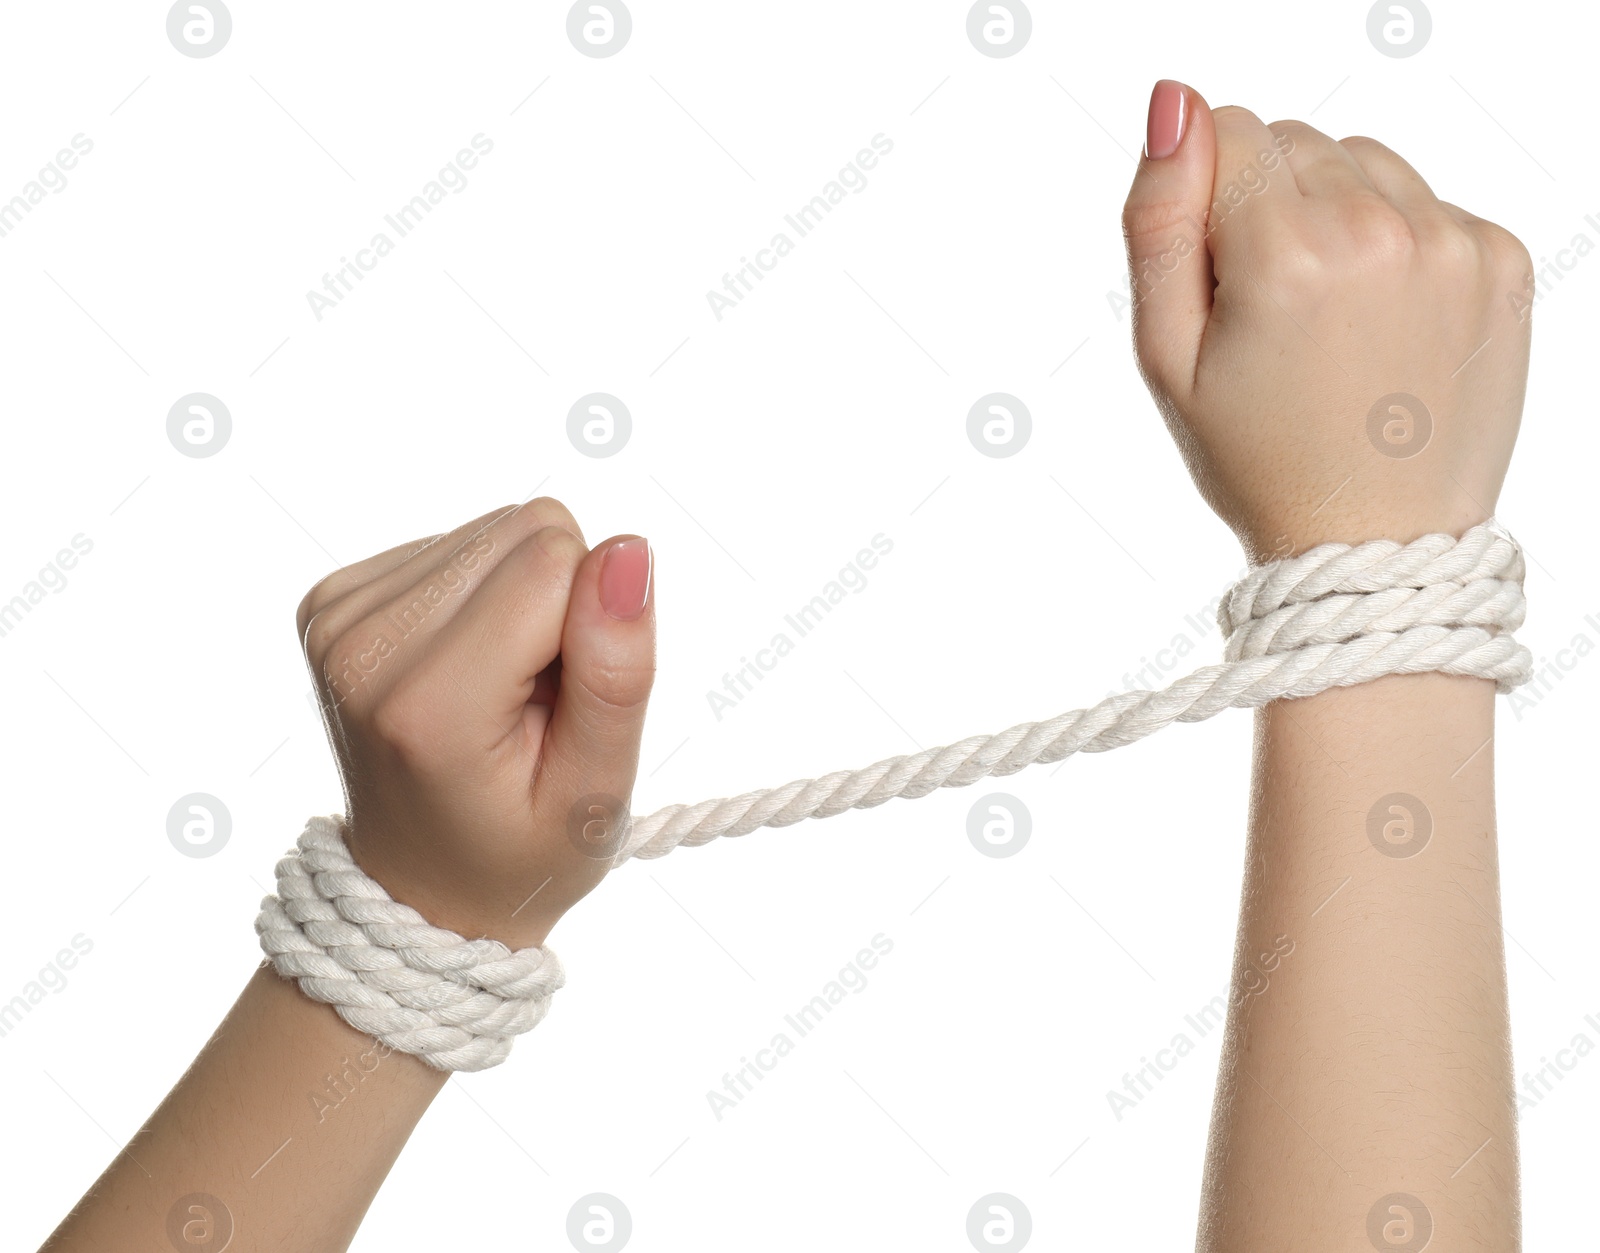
[1334, 616]
[455, 1003]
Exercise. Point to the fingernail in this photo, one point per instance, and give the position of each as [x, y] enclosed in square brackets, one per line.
[1169, 114]
[625, 579]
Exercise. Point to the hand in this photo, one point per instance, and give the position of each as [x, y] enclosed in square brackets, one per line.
[1288, 292]
[485, 692]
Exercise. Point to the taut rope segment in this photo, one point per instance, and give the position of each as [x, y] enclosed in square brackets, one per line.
[1334, 616]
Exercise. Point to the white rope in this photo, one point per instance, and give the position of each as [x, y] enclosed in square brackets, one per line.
[455, 1003]
[1332, 617]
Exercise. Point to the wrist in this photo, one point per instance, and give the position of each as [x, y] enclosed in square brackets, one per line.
[455, 1000]
[1272, 535]
[446, 898]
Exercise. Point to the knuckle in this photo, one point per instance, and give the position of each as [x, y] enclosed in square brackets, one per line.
[1450, 247]
[1238, 127]
[554, 512]
[320, 634]
[1294, 129]
[480, 534]
[1235, 115]
[399, 723]
[304, 612]
[1363, 143]
[1159, 223]
[321, 595]
[555, 545]
[1379, 231]
[1294, 269]
[502, 518]
[1508, 254]
[546, 559]
[520, 522]
[614, 687]
[354, 658]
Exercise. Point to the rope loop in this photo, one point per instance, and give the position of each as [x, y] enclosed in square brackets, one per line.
[455, 1003]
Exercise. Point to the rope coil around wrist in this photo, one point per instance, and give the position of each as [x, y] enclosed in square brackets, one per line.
[455, 1003]
[1334, 616]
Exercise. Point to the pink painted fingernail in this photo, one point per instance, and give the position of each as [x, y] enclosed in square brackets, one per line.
[625, 579]
[1169, 114]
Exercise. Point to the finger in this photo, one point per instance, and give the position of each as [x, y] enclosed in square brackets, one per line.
[464, 553]
[1164, 228]
[1500, 245]
[479, 670]
[348, 578]
[493, 533]
[1391, 174]
[351, 579]
[1254, 198]
[591, 749]
[1322, 167]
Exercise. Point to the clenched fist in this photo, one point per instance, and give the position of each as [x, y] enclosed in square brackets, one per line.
[484, 692]
[1339, 354]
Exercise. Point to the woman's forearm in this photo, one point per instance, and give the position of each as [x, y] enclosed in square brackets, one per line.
[283, 1128]
[519, 696]
[1367, 1058]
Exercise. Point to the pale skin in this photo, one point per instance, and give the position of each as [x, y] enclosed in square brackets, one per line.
[1367, 1050]
[463, 749]
[1374, 1061]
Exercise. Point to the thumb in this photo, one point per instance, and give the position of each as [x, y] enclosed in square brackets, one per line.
[1164, 224]
[591, 748]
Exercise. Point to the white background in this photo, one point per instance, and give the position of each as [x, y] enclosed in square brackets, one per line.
[767, 449]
